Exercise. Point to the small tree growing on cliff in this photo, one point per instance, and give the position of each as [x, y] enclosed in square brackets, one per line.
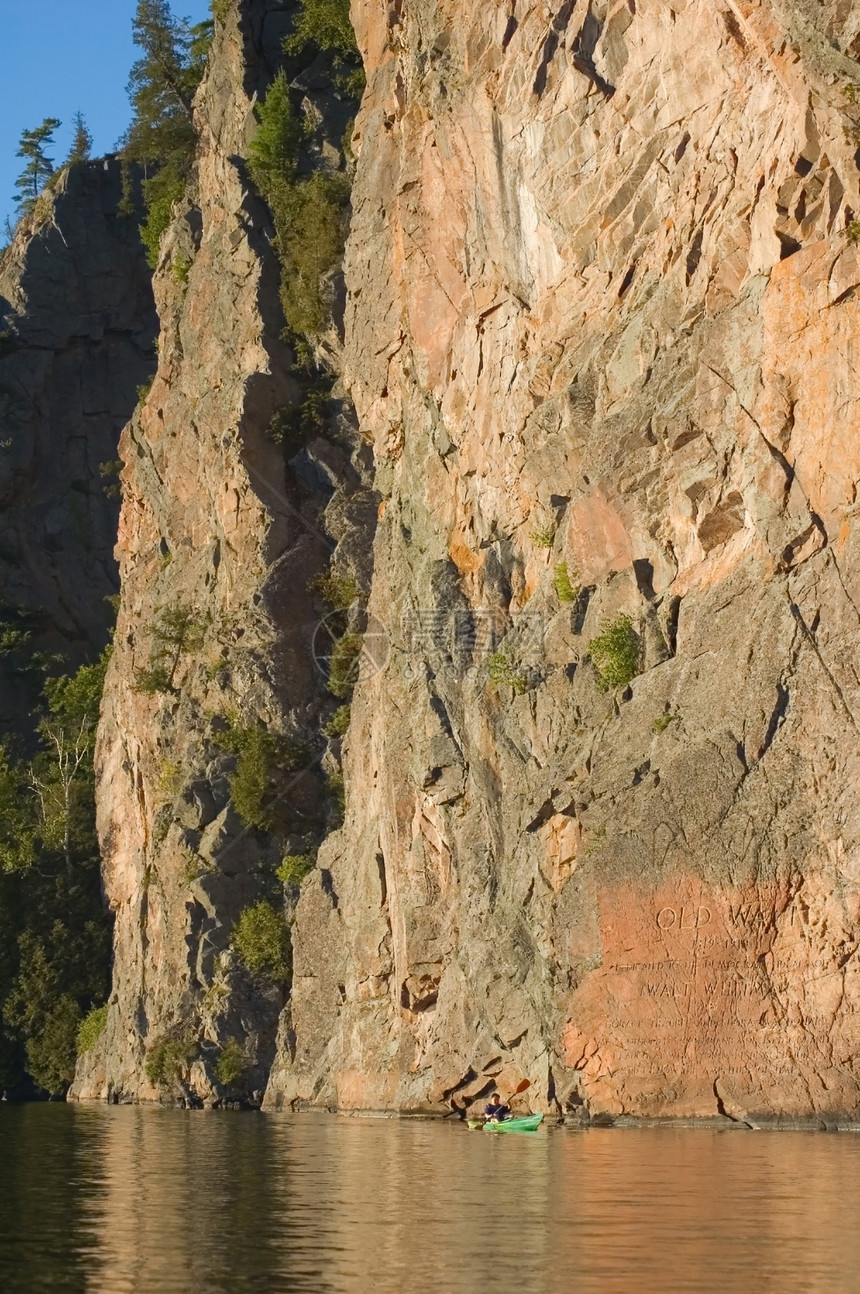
[161, 88]
[33, 145]
[326, 24]
[310, 210]
[82, 143]
[273, 150]
[162, 83]
[177, 631]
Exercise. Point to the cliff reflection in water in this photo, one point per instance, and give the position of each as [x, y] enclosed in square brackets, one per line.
[185, 1204]
[135, 1200]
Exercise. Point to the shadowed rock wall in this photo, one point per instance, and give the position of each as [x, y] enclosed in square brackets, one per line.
[78, 326]
[602, 296]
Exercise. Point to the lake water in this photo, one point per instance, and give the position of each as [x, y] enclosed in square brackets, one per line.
[130, 1200]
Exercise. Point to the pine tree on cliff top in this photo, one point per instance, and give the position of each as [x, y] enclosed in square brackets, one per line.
[82, 143]
[39, 168]
[161, 88]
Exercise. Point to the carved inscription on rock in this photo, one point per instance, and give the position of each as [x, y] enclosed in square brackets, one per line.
[699, 1001]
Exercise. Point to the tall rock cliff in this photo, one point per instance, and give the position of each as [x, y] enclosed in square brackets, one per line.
[213, 660]
[602, 331]
[77, 332]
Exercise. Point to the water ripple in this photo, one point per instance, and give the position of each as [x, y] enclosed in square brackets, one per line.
[105, 1200]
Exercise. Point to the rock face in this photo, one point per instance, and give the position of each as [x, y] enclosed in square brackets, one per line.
[77, 328]
[602, 330]
[214, 558]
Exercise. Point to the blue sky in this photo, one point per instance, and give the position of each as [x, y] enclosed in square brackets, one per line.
[60, 56]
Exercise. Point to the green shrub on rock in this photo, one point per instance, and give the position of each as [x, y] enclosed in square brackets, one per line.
[91, 1028]
[338, 589]
[310, 212]
[294, 868]
[338, 724]
[231, 1063]
[561, 581]
[615, 654]
[180, 269]
[160, 193]
[260, 756]
[262, 944]
[326, 24]
[335, 797]
[249, 782]
[544, 536]
[502, 672]
[167, 1059]
[343, 665]
[311, 217]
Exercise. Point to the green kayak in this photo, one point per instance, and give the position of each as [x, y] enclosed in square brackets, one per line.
[528, 1123]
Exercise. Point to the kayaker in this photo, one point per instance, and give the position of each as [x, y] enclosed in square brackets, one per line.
[495, 1110]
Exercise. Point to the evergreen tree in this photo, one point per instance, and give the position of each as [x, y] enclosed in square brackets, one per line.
[273, 151]
[201, 40]
[39, 168]
[311, 211]
[82, 144]
[324, 26]
[325, 23]
[161, 89]
[54, 936]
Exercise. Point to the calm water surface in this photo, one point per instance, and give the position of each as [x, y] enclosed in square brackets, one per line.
[125, 1200]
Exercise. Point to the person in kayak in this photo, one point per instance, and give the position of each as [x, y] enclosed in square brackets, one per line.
[495, 1111]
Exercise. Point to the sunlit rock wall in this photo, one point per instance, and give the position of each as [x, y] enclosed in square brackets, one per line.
[602, 293]
[211, 530]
